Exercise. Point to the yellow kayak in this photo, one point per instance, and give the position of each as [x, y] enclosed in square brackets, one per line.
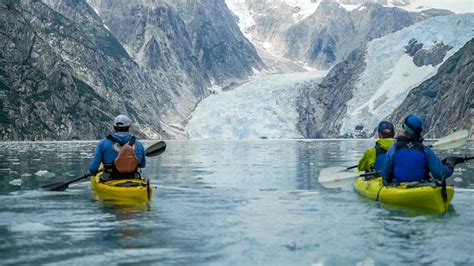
[422, 196]
[136, 189]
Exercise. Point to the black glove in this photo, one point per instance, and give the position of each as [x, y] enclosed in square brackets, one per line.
[452, 160]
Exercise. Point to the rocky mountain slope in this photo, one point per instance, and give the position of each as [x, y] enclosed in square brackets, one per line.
[445, 101]
[321, 107]
[68, 67]
[362, 90]
[49, 65]
[321, 33]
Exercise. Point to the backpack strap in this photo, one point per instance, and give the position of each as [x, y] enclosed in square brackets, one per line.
[379, 150]
[132, 141]
[114, 139]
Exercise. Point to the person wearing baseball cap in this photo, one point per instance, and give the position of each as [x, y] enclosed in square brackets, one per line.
[109, 147]
[408, 160]
[373, 158]
[122, 122]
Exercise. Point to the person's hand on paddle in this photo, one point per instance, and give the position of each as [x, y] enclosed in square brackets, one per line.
[452, 160]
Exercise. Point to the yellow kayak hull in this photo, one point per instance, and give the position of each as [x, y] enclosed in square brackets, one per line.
[122, 189]
[423, 198]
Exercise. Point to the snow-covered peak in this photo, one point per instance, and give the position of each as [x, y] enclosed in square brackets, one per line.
[305, 8]
[242, 8]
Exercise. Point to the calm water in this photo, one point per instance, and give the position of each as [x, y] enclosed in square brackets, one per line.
[222, 203]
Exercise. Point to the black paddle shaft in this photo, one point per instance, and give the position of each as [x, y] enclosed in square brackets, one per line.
[61, 186]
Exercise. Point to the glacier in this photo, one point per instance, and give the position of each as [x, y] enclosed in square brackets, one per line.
[264, 107]
[391, 74]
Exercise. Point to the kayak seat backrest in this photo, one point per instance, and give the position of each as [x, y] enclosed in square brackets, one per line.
[422, 184]
[129, 184]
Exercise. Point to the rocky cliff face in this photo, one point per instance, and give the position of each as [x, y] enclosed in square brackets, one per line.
[429, 56]
[219, 45]
[321, 107]
[66, 71]
[445, 101]
[332, 32]
[321, 33]
[371, 83]
[182, 46]
[48, 70]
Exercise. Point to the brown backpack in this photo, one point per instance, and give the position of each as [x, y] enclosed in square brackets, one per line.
[126, 161]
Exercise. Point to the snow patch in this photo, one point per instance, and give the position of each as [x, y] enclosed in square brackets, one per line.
[95, 10]
[352, 7]
[391, 74]
[241, 10]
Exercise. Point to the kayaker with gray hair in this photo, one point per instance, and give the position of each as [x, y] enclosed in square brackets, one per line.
[373, 158]
[121, 153]
[408, 160]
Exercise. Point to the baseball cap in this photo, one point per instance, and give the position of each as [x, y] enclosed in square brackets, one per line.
[122, 121]
[386, 129]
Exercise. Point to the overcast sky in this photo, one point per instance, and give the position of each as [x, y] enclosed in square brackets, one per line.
[458, 6]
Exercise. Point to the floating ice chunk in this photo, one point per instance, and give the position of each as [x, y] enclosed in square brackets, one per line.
[45, 173]
[15, 182]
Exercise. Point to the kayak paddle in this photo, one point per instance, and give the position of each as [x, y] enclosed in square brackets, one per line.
[335, 169]
[61, 186]
[451, 141]
[341, 179]
[444, 194]
[155, 149]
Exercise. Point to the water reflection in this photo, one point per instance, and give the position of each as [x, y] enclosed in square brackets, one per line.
[220, 202]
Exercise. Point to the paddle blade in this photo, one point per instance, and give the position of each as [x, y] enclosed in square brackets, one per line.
[58, 186]
[156, 149]
[452, 141]
[335, 169]
[330, 170]
[339, 179]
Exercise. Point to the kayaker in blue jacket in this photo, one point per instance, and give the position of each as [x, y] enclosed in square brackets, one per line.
[408, 160]
[108, 149]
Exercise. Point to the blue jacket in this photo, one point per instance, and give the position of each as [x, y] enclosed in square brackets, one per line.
[106, 154]
[435, 167]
